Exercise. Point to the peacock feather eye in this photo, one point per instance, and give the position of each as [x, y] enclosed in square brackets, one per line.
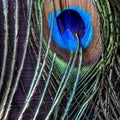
[73, 22]
[43, 76]
[70, 19]
[68, 23]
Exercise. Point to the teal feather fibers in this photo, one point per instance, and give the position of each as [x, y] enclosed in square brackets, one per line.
[89, 91]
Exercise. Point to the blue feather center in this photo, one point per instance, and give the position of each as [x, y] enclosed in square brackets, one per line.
[68, 23]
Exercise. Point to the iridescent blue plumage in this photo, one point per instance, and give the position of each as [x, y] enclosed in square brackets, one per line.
[70, 19]
[68, 23]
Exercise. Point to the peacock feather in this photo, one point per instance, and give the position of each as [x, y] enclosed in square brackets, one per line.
[59, 60]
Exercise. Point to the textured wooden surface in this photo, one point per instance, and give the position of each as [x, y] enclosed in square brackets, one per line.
[91, 54]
